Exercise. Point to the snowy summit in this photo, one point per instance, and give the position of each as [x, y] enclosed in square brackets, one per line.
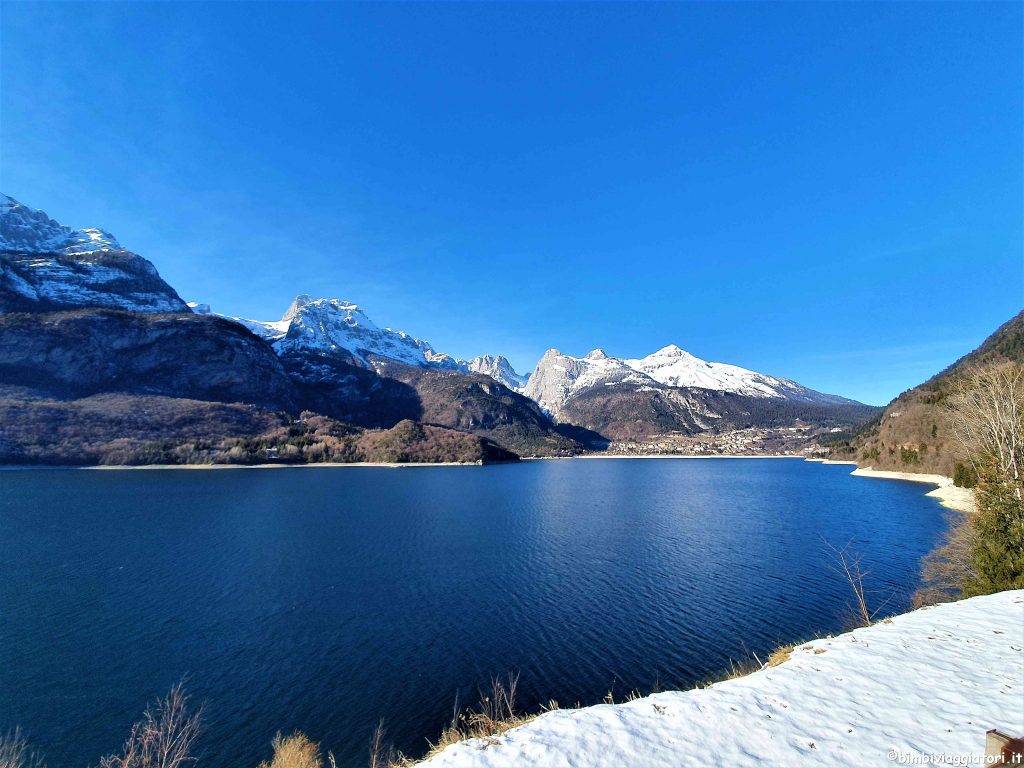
[27, 230]
[332, 326]
[560, 377]
[45, 265]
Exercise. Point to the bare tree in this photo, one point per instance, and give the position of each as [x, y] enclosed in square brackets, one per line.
[848, 565]
[988, 419]
[947, 568]
[164, 738]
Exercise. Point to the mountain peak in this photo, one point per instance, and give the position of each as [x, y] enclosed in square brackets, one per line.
[597, 354]
[340, 327]
[300, 301]
[47, 266]
[672, 351]
[499, 369]
[27, 230]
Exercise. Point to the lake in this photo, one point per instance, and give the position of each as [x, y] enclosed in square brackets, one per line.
[325, 599]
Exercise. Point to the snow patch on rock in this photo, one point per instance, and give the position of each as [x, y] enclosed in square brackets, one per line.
[559, 377]
[499, 369]
[27, 230]
[325, 326]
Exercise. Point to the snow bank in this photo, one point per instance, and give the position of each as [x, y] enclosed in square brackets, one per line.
[927, 683]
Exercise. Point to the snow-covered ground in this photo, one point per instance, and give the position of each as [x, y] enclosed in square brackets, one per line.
[927, 683]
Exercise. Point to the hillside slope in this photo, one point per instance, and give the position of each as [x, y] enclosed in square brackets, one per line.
[89, 351]
[913, 433]
[930, 682]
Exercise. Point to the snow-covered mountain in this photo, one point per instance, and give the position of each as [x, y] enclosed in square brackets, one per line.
[499, 369]
[676, 367]
[25, 230]
[560, 377]
[45, 265]
[339, 327]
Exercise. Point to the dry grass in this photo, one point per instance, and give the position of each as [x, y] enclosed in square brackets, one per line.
[495, 714]
[164, 738]
[780, 655]
[753, 664]
[296, 751]
[382, 753]
[16, 753]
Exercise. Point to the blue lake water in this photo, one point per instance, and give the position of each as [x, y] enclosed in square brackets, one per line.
[324, 599]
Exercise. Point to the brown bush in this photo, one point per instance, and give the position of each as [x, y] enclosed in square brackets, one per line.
[295, 751]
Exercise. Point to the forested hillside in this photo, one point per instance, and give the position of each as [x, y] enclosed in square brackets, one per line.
[914, 432]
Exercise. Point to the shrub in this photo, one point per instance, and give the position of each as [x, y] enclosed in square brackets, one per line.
[998, 551]
[164, 738]
[295, 751]
[964, 476]
[16, 753]
[909, 456]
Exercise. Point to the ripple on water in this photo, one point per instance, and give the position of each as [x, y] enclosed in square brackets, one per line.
[326, 599]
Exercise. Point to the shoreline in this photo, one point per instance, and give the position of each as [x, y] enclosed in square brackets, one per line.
[388, 464]
[807, 710]
[332, 464]
[949, 495]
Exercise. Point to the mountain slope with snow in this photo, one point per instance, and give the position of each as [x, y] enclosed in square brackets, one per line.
[26, 230]
[349, 368]
[499, 369]
[559, 377]
[47, 266]
[339, 327]
[676, 367]
[925, 684]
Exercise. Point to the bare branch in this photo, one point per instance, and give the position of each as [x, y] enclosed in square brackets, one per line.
[164, 738]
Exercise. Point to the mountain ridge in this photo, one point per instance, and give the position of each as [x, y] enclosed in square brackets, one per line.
[46, 266]
[668, 390]
[74, 306]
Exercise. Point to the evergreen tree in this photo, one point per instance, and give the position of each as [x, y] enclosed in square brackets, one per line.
[998, 551]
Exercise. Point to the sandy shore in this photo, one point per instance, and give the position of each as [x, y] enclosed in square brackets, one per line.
[949, 495]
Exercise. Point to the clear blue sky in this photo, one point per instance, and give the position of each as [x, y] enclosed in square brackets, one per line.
[828, 192]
